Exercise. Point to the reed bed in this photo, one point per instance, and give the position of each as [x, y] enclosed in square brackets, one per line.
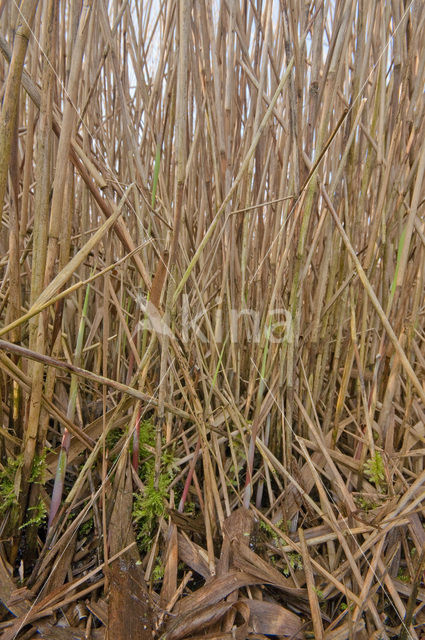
[212, 340]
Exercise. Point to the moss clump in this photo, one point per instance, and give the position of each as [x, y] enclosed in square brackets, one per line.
[158, 571]
[38, 468]
[8, 490]
[38, 515]
[295, 562]
[366, 504]
[149, 506]
[403, 576]
[86, 527]
[374, 469]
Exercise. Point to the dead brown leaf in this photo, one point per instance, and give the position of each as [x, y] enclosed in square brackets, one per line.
[129, 611]
[194, 620]
[273, 619]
